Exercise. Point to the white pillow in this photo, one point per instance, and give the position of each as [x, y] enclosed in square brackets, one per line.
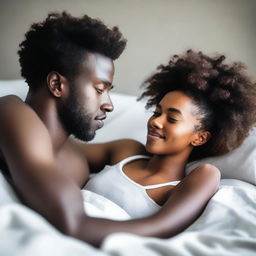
[239, 164]
[129, 119]
[17, 87]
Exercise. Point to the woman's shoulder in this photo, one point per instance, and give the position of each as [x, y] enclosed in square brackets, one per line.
[121, 149]
[206, 170]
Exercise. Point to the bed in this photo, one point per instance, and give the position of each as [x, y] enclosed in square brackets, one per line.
[226, 227]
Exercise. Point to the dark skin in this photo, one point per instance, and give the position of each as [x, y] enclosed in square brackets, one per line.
[47, 169]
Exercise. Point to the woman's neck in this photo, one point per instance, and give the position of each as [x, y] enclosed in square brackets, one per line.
[169, 167]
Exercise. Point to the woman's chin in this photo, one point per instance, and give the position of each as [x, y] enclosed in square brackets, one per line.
[149, 148]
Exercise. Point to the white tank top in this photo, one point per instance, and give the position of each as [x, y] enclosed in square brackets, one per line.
[115, 185]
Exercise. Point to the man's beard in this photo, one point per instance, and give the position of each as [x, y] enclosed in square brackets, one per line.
[74, 120]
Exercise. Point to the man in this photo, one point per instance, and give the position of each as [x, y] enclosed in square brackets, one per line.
[68, 65]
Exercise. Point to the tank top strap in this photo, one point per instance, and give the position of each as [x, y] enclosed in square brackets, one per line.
[131, 158]
[171, 183]
[135, 157]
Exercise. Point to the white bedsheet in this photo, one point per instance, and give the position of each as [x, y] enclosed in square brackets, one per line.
[99, 206]
[226, 227]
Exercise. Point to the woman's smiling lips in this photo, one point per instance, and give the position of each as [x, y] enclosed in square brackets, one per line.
[154, 135]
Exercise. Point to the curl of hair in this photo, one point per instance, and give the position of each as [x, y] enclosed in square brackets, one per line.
[224, 94]
[60, 43]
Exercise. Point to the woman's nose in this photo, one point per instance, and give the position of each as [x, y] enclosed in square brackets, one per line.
[157, 122]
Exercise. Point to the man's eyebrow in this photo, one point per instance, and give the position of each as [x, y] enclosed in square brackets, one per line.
[107, 84]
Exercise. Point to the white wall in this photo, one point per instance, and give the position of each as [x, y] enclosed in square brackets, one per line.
[155, 29]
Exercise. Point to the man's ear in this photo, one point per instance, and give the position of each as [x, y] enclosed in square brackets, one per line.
[55, 83]
[200, 138]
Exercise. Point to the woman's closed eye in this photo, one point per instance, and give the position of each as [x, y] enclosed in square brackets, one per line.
[169, 119]
[172, 120]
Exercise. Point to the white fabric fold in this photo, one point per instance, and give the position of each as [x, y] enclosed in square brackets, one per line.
[226, 228]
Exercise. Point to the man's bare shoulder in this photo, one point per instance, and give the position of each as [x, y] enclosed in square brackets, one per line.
[8, 100]
[14, 110]
[12, 104]
[21, 127]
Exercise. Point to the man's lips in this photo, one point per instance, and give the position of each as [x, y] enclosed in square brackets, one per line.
[100, 121]
[155, 135]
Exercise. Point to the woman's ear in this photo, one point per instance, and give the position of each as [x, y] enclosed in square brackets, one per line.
[201, 138]
[55, 83]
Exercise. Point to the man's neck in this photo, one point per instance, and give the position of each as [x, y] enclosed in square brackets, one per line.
[46, 108]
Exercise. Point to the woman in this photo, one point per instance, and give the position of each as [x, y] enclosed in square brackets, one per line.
[203, 107]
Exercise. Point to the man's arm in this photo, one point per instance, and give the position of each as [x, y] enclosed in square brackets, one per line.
[186, 203]
[100, 154]
[27, 148]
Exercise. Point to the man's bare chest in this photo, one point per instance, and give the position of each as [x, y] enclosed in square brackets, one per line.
[73, 164]
[70, 162]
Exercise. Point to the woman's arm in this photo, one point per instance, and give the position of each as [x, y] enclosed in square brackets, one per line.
[187, 200]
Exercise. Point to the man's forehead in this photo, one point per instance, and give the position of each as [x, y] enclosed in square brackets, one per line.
[97, 66]
[97, 59]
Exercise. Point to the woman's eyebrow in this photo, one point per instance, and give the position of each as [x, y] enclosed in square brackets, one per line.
[175, 110]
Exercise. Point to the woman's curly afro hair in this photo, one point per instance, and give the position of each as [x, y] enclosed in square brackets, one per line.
[223, 93]
[60, 42]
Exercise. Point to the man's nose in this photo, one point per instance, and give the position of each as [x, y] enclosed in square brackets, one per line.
[107, 105]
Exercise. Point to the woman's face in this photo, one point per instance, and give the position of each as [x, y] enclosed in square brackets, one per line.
[171, 129]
